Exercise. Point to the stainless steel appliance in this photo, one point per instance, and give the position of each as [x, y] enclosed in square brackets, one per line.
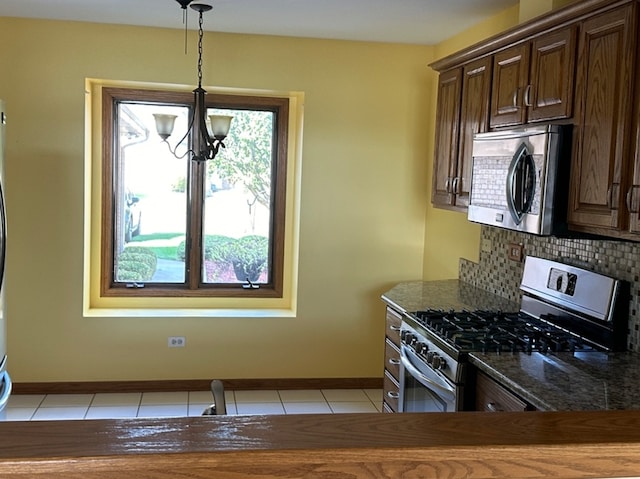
[564, 309]
[519, 179]
[5, 379]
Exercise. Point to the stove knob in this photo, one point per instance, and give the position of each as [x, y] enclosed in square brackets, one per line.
[429, 357]
[421, 348]
[438, 363]
[408, 337]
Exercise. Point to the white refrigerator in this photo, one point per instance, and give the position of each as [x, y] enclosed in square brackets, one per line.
[5, 379]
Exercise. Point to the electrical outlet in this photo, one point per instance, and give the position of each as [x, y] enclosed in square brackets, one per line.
[485, 245]
[177, 341]
[515, 252]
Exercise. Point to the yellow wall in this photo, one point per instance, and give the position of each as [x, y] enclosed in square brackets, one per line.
[532, 8]
[364, 194]
[366, 221]
[448, 234]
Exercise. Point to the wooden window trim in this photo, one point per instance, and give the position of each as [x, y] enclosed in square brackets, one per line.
[274, 289]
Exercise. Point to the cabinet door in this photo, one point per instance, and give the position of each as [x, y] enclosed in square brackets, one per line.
[492, 397]
[474, 116]
[447, 130]
[549, 94]
[602, 121]
[510, 79]
[632, 197]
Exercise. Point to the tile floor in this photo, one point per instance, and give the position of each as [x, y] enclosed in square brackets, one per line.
[41, 407]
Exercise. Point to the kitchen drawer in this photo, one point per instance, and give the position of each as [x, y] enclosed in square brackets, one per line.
[386, 407]
[394, 319]
[491, 396]
[391, 392]
[392, 358]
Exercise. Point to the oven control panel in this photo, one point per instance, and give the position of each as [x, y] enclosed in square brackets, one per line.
[429, 352]
[562, 281]
[423, 349]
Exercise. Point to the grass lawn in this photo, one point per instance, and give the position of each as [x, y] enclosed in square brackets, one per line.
[164, 245]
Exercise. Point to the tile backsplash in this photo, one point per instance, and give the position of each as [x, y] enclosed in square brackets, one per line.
[495, 272]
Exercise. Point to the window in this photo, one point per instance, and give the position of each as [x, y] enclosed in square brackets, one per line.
[176, 227]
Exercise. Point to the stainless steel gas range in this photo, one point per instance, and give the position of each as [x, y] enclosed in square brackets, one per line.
[564, 309]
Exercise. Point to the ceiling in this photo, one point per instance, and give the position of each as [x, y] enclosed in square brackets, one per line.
[395, 21]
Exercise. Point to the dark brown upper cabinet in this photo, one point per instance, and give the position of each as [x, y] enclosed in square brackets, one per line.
[446, 142]
[533, 81]
[463, 110]
[579, 64]
[605, 170]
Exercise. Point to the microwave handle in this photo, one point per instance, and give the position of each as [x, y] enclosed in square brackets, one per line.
[521, 183]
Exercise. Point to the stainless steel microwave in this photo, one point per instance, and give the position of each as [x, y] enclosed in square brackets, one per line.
[519, 179]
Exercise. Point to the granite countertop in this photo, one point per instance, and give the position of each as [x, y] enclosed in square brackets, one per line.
[552, 381]
[446, 294]
[566, 381]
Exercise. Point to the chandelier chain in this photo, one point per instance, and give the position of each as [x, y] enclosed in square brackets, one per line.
[203, 145]
[200, 33]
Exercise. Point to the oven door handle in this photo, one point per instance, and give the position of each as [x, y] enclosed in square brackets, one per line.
[5, 392]
[420, 376]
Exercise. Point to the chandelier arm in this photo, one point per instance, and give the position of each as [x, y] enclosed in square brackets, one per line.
[185, 137]
[174, 151]
[206, 145]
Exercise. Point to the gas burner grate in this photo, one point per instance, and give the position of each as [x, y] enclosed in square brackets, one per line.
[496, 331]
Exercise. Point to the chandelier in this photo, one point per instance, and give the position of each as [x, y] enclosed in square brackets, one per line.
[208, 131]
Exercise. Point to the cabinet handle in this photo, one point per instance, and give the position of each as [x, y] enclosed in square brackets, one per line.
[394, 361]
[393, 394]
[514, 101]
[447, 185]
[631, 205]
[527, 96]
[609, 197]
[394, 328]
[455, 185]
[493, 407]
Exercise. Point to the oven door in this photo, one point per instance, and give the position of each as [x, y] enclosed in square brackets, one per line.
[422, 389]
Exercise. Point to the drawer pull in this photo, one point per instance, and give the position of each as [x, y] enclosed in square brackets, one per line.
[394, 328]
[393, 394]
[493, 407]
[394, 361]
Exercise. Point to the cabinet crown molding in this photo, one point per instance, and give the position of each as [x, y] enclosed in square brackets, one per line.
[555, 19]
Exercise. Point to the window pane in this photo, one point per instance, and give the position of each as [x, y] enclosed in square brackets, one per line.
[238, 201]
[151, 199]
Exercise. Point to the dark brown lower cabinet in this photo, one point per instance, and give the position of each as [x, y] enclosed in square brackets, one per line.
[391, 388]
[493, 397]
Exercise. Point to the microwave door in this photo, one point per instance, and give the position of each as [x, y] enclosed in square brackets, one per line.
[521, 184]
